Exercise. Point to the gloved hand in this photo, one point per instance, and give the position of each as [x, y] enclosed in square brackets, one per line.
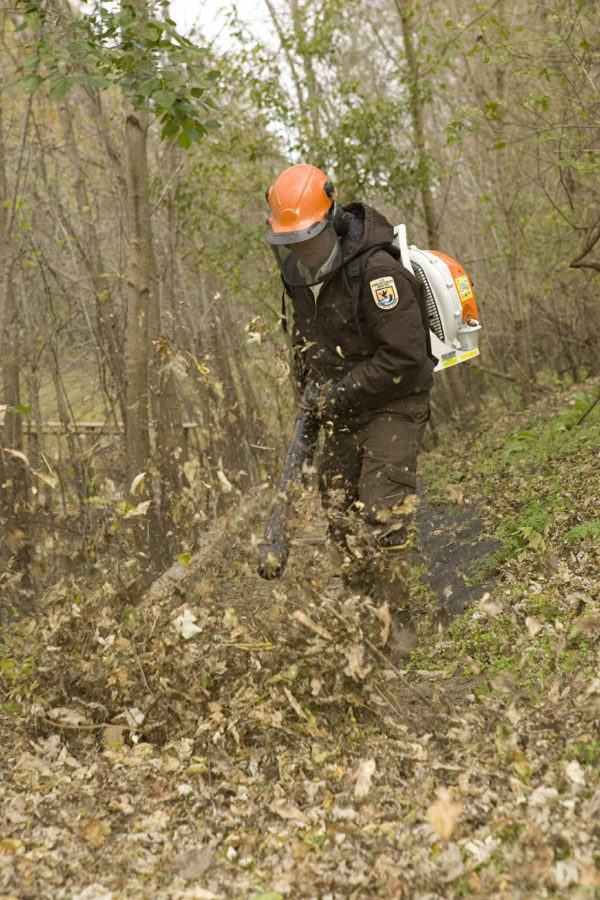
[312, 398]
[329, 403]
[336, 403]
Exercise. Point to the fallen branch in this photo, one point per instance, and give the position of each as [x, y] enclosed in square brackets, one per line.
[176, 578]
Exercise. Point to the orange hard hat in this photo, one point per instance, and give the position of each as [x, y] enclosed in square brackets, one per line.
[300, 199]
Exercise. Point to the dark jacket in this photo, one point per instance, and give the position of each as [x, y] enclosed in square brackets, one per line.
[381, 354]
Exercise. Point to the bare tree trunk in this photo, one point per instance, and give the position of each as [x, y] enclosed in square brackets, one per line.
[143, 362]
[12, 489]
[418, 126]
[35, 444]
[105, 334]
[507, 165]
[310, 78]
[450, 393]
[137, 424]
[166, 406]
[65, 414]
[297, 77]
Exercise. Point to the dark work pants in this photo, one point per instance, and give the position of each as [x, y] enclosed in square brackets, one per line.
[369, 467]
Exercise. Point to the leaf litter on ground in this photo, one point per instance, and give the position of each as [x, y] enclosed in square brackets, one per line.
[274, 750]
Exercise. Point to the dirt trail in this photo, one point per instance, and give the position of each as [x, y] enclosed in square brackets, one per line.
[451, 540]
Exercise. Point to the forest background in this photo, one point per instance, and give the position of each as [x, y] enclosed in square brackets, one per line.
[145, 373]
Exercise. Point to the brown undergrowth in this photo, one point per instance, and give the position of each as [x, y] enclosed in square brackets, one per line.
[226, 737]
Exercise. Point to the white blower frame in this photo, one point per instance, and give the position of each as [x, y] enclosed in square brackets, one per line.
[452, 340]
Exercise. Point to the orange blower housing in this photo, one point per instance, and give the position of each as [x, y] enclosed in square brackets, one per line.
[463, 285]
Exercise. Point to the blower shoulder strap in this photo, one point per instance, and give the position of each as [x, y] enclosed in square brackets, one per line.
[356, 272]
[357, 275]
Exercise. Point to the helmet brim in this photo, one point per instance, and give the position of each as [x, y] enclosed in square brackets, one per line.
[277, 237]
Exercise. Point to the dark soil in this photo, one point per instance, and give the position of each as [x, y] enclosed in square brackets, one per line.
[451, 540]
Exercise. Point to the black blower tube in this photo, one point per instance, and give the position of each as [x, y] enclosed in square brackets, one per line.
[275, 547]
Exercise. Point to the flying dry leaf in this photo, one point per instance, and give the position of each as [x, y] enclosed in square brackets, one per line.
[383, 614]
[590, 874]
[407, 507]
[48, 478]
[364, 777]
[185, 625]
[542, 796]
[575, 772]
[17, 454]
[134, 717]
[193, 863]
[198, 893]
[291, 813]
[534, 626]
[450, 864]
[504, 682]
[489, 607]
[588, 624]
[481, 850]
[343, 813]
[566, 873]
[10, 846]
[16, 540]
[305, 620]
[443, 813]
[27, 762]
[226, 485]
[138, 482]
[94, 832]
[454, 492]
[140, 510]
[63, 715]
[14, 813]
[295, 705]
[356, 668]
[94, 891]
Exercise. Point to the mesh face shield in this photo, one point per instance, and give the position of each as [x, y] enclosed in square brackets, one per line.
[306, 259]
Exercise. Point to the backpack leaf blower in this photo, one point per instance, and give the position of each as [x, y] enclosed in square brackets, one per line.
[453, 318]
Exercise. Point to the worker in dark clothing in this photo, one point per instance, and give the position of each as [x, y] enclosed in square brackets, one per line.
[362, 358]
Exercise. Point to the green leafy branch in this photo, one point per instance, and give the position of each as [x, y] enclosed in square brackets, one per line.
[156, 68]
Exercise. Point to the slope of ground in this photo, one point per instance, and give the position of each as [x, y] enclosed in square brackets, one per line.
[226, 737]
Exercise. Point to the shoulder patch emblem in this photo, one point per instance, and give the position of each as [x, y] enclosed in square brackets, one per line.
[385, 293]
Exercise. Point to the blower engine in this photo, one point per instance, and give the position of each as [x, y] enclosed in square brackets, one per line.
[453, 317]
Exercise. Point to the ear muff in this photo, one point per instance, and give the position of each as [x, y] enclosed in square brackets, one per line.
[341, 223]
[339, 217]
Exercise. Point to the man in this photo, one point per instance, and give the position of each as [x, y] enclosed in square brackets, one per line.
[362, 359]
